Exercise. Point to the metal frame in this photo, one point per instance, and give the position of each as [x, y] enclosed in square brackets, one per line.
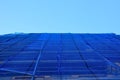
[59, 56]
[35, 68]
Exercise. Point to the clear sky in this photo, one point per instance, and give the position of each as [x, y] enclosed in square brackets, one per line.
[55, 16]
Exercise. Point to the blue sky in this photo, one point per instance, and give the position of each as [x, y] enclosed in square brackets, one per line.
[62, 16]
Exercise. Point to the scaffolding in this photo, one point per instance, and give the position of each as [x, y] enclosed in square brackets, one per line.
[60, 56]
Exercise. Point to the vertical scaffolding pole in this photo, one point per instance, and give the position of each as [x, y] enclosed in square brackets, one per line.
[38, 59]
[82, 56]
[58, 57]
